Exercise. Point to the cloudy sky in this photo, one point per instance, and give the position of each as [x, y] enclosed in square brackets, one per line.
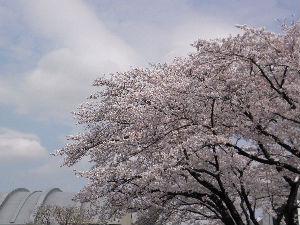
[51, 51]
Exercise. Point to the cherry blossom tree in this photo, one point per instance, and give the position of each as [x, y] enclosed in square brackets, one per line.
[49, 214]
[209, 138]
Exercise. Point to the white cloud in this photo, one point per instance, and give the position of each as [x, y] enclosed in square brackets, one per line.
[16, 147]
[24, 162]
[53, 167]
[162, 29]
[193, 28]
[39, 177]
[51, 174]
[83, 50]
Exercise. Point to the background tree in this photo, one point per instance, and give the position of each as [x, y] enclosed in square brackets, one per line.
[44, 215]
[208, 138]
[150, 218]
[49, 214]
[70, 215]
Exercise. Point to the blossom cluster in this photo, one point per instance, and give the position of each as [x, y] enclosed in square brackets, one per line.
[211, 137]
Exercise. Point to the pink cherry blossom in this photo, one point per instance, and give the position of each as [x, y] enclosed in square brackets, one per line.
[210, 138]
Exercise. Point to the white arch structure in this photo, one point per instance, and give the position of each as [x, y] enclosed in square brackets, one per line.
[41, 201]
[6, 196]
[19, 206]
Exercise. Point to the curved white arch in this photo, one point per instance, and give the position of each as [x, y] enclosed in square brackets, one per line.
[41, 201]
[6, 196]
[20, 206]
